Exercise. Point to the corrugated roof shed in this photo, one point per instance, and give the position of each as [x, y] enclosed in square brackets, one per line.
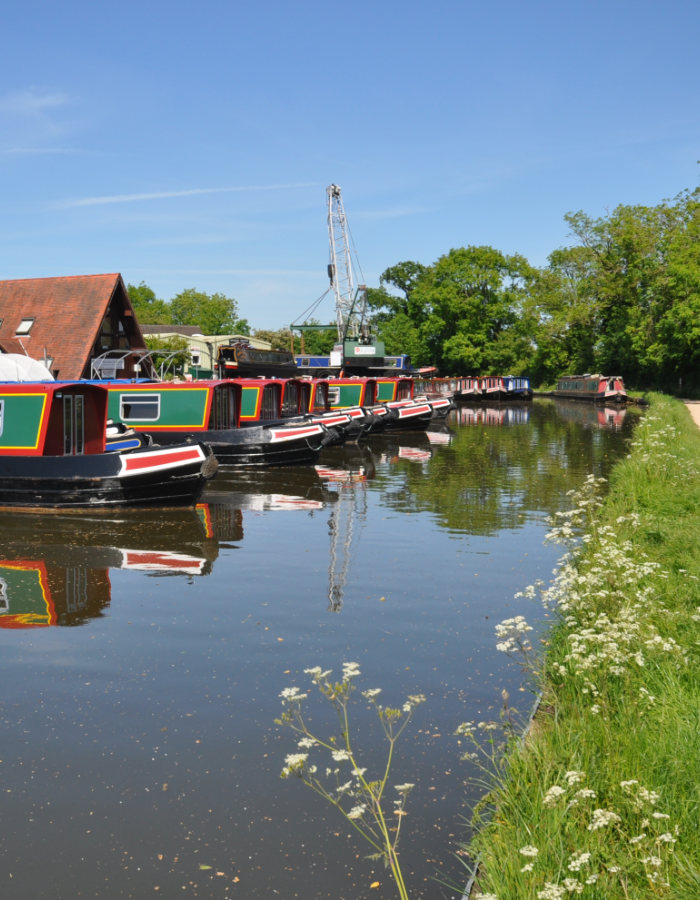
[63, 318]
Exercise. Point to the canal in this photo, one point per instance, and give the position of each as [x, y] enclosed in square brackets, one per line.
[143, 656]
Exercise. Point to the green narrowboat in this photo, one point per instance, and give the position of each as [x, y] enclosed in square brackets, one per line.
[53, 453]
[241, 424]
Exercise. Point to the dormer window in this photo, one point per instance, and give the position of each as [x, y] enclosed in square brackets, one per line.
[25, 326]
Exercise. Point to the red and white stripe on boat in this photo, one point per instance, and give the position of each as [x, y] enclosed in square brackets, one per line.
[295, 432]
[162, 458]
[419, 409]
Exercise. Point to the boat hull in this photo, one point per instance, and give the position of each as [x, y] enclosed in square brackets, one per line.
[262, 445]
[154, 476]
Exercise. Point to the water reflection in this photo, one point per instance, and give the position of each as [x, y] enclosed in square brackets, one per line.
[54, 570]
[590, 415]
[503, 414]
[508, 465]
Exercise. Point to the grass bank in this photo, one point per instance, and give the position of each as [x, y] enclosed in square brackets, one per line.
[602, 798]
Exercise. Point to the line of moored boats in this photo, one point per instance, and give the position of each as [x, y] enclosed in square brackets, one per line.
[80, 444]
[117, 443]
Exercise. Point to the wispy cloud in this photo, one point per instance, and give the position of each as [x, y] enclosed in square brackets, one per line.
[38, 151]
[32, 102]
[168, 195]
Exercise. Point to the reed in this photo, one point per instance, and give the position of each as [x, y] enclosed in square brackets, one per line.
[602, 797]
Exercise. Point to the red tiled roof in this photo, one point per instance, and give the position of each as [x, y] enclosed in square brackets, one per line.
[67, 312]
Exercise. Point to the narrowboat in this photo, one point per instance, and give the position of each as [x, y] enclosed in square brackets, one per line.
[295, 399]
[517, 387]
[606, 389]
[240, 360]
[403, 390]
[466, 389]
[212, 411]
[397, 415]
[493, 388]
[53, 453]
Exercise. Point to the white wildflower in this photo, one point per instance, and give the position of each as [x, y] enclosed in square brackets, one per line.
[292, 694]
[574, 777]
[552, 795]
[350, 670]
[576, 862]
[551, 891]
[371, 693]
[529, 850]
[602, 818]
[357, 811]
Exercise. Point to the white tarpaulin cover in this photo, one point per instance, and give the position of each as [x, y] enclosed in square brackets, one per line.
[16, 367]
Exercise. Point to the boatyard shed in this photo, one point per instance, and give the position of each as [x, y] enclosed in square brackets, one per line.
[81, 326]
[203, 349]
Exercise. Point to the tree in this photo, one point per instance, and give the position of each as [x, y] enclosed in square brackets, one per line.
[642, 286]
[148, 309]
[212, 313]
[469, 310]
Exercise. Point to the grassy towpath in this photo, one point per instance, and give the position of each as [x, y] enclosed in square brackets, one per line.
[602, 798]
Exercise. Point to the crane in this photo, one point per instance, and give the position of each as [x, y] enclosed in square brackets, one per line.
[357, 352]
[350, 302]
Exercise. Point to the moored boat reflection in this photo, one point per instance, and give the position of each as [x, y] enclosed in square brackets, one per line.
[591, 415]
[54, 569]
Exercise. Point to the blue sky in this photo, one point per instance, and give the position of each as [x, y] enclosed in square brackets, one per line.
[190, 144]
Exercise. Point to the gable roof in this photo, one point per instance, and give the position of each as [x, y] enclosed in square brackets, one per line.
[68, 313]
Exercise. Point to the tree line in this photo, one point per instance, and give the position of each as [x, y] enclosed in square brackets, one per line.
[624, 299]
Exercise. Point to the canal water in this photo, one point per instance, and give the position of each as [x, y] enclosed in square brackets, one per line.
[143, 655]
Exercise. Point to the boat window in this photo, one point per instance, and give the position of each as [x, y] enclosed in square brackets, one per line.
[139, 407]
[2, 415]
[334, 395]
[73, 425]
[223, 413]
[290, 402]
[4, 602]
[404, 390]
[269, 407]
[321, 397]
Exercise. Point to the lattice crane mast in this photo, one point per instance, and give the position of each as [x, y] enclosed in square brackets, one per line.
[350, 301]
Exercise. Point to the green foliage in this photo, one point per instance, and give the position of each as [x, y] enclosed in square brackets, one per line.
[213, 313]
[148, 308]
[163, 349]
[279, 340]
[465, 314]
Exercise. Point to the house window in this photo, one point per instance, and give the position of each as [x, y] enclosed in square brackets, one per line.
[25, 326]
[139, 407]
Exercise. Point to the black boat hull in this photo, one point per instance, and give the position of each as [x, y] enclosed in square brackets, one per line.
[149, 477]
